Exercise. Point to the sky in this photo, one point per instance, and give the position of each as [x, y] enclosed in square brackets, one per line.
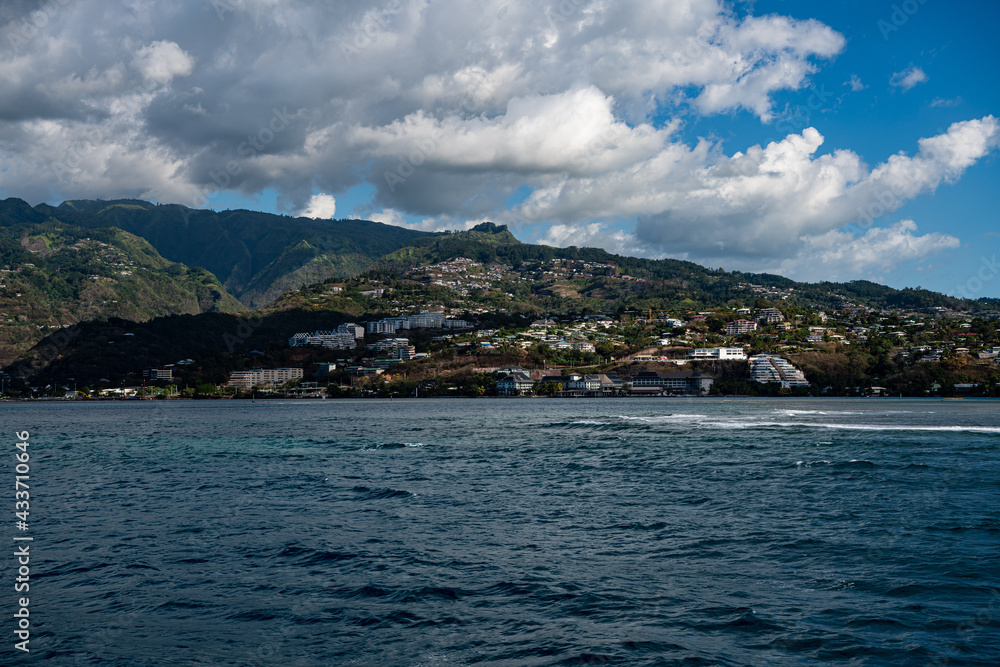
[818, 140]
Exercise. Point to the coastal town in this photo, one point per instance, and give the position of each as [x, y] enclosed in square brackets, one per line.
[757, 349]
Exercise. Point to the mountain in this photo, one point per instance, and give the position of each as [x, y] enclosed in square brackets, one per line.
[639, 282]
[256, 256]
[53, 275]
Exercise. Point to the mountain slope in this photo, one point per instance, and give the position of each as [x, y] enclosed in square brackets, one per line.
[53, 274]
[255, 255]
[646, 283]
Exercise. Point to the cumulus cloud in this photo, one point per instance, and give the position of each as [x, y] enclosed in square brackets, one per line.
[320, 207]
[855, 83]
[189, 83]
[908, 78]
[161, 61]
[523, 112]
[761, 202]
[842, 256]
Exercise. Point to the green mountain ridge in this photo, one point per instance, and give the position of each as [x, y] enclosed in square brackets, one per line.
[256, 256]
[54, 275]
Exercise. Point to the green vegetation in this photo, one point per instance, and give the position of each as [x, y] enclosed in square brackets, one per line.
[110, 271]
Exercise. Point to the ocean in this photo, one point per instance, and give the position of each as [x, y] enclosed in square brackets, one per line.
[509, 532]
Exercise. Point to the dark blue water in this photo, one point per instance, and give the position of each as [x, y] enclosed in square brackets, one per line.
[522, 532]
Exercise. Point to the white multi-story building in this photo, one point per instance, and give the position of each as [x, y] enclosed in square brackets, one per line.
[356, 330]
[380, 327]
[426, 320]
[389, 344]
[739, 327]
[331, 340]
[720, 353]
[770, 316]
[772, 368]
[405, 353]
[263, 377]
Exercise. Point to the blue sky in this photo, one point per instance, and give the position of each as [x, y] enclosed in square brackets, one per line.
[817, 140]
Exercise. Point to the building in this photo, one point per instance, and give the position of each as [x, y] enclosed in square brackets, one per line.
[263, 377]
[687, 384]
[719, 353]
[510, 370]
[770, 316]
[772, 368]
[380, 327]
[515, 384]
[586, 383]
[324, 369]
[356, 330]
[331, 340]
[158, 374]
[389, 344]
[404, 353]
[425, 320]
[740, 327]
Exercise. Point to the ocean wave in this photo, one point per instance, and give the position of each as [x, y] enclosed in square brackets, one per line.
[664, 419]
[390, 445]
[704, 421]
[365, 493]
[794, 413]
[852, 464]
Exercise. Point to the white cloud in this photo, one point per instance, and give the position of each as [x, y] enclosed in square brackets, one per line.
[908, 78]
[161, 62]
[945, 102]
[843, 256]
[320, 207]
[348, 68]
[760, 203]
[575, 132]
[456, 112]
[388, 217]
[855, 83]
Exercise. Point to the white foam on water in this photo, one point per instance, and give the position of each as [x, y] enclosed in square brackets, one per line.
[909, 427]
[704, 421]
[678, 418]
